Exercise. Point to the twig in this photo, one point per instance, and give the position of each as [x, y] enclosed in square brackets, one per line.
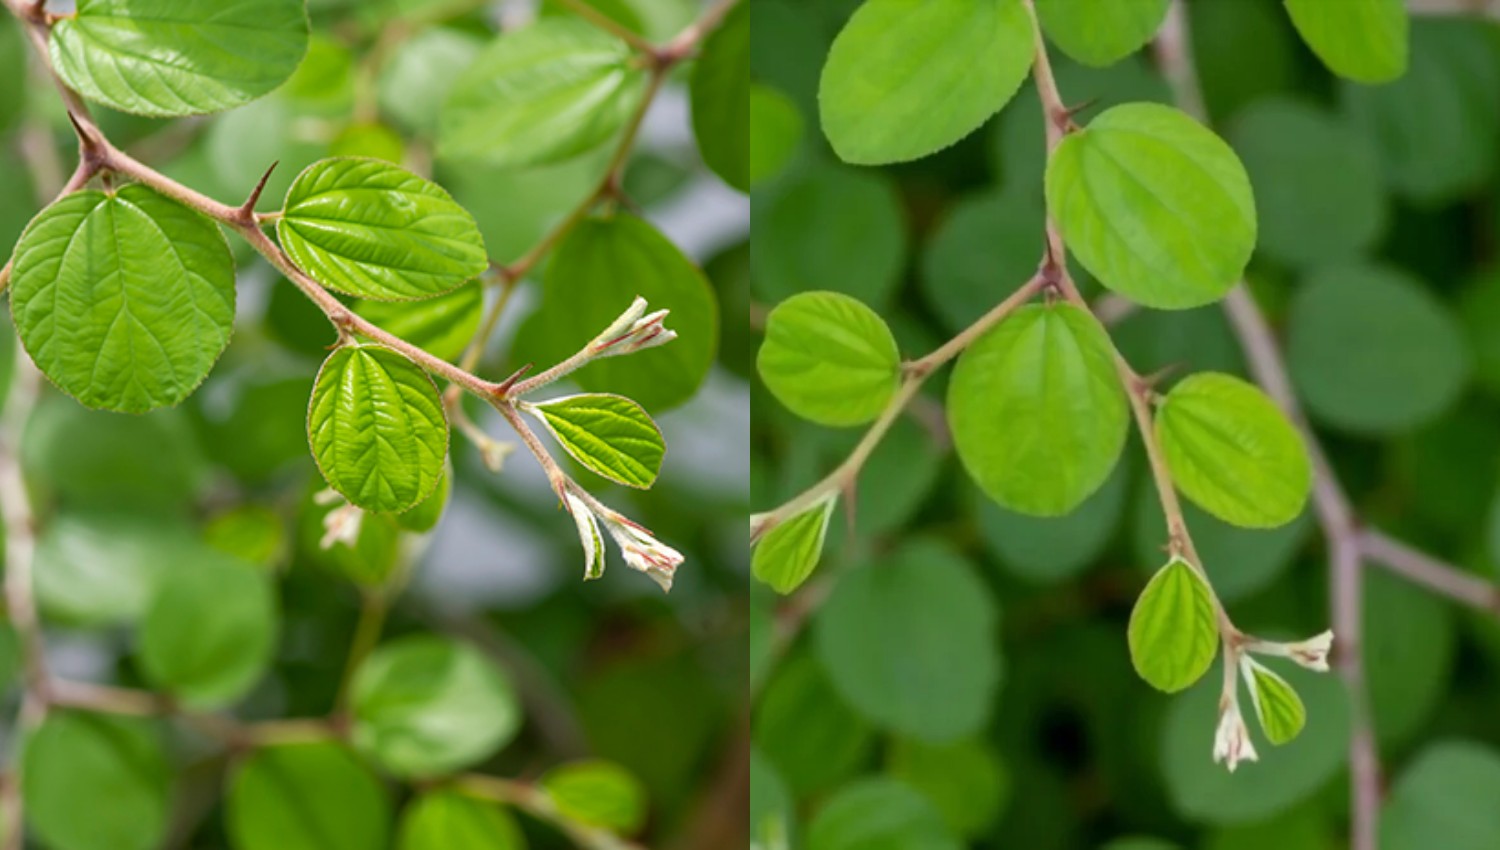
[540, 806]
[1422, 569]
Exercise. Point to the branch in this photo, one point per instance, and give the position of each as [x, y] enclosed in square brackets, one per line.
[1422, 569]
[1486, 8]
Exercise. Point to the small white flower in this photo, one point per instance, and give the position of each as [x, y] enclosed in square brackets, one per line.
[588, 535]
[642, 551]
[1311, 653]
[341, 525]
[633, 331]
[1232, 743]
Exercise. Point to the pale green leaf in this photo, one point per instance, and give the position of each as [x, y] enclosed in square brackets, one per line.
[786, 556]
[1233, 452]
[599, 794]
[1098, 33]
[775, 132]
[1154, 205]
[441, 326]
[1174, 630]
[447, 819]
[1447, 796]
[1364, 40]
[377, 428]
[879, 814]
[178, 57]
[417, 77]
[609, 434]
[829, 359]
[308, 795]
[1277, 706]
[906, 78]
[1038, 415]
[95, 782]
[721, 99]
[100, 566]
[124, 299]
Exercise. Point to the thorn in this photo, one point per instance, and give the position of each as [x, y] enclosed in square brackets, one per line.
[1070, 111]
[89, 143]
[246, 212]
[504, 386]
[1145, 384]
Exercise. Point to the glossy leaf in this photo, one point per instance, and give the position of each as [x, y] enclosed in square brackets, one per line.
[1364, 40]
[446, 819]
[541, 94]
[1101, 33]
[907, 78]
[788, 553]
[441, 326]
[1154, 205]
[377, 428]
[426, 706]
[125, 299]
[610, 434]
[879, 814]
[178, 57]
[373, 229]
[829, 359]
[1037, 412]
[112, 768]
[721, 99]
[1446, 796]
[1277, 706]
[1174, 631]
[599, 794]
[308, 795]
[1232, 451]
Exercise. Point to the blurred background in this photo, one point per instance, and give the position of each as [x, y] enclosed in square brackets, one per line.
[1379, 214]
[610, 669]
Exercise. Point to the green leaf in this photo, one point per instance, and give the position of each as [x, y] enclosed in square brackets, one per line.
[775, 132]
[125, 299]
[250, 532]
[1038, 415]
[441, 326]
[596, 273]
[427, 513]
[111, 768]
[788, 553]
[377, 428]
[309, 795]
[178, 57]
[369, 228]
[771, 808]
[1445, 797]
[911, 643]
[1356, 333]
[1364, 40]
[965, 781]
[829, 359]
[599, 794]
[985, 248]
[721, 99]
[100, 566]
[417, 77]
[907, 78]
[13, 53]
[372, 558]
[1154, 205]
[1277, 706]
[807, 730]
[1233, 452]
[1101, 33]
[209, 631]
[1409, 658]
[425, 706]
[1049, 550]
[879, 814]
[541, 94]
[609, 434]
[1174, 630]
[446, 819]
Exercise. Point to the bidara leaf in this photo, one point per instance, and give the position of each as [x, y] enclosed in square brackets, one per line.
[377, 428]
[1364, 40]
[1154, 205]
[1277, 705]
[829, 358]
[306, 795]
[597, 793]
[124, 299]
[442, 326]
[907, 78]
[541, 94]
[1038, 415]
[721, 100]
[113, 768]
[609, 434]
[1097, 33]
[1174, 630]
[370, 228]
[1232, 451]
[786, 556]
[448, 819]
[178, 57]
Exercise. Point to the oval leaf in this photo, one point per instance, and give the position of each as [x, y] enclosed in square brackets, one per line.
[1174, 631]
[310, 795]
[1232, 451]
[721, 99]
[1097, 33]
[1364, 40]
[609, 434]
[879, 814]
[1277, 705]
[113, 768]
[1154, 205]
[786, 556]
[178, 57]
[599, 794]
[377, 428]
[829, 359]
[369, 228]
[1038, 415]
[449, 820]
[541, 94]
[123, 299]
[906, 78]
[1445, 797]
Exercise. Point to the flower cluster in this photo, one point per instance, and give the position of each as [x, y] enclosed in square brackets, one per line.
[1232, 743]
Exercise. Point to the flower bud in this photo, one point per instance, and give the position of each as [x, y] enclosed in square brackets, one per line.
[642, 551]
[1311, 653]
[1232, 743]
[588, 535]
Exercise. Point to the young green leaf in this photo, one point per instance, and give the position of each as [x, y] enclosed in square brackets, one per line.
[425, 706]
[906, 78]
[1097, 33]
[1037, 412]
[1364, 40]
[610, 434]
[1154, 205]
[308, 795]
[448, 819]
[123, 299]
[599, 794]
[1233, 452]
[541, 94]
[377, 428]
[373, 229]
[1174, 632]
[112, 768]
[829, 359]
[786, 556]
[178, 57]
[441, 326]
[1277, 705]
[721, 99]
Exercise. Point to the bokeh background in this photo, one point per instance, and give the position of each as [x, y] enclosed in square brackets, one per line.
[1379, 214]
